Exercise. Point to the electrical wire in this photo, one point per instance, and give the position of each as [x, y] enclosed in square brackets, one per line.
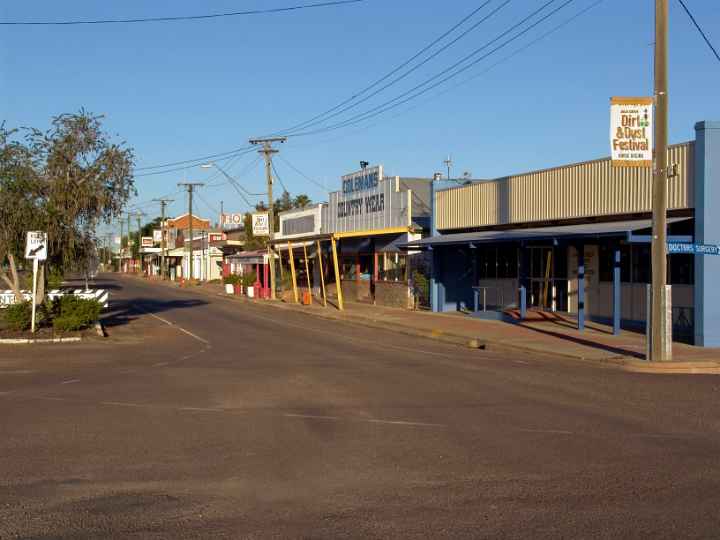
[313, 120]
[306, 177]
[230, 153]
[184, 17]
[388, 105]
[704, 36]
[279, 178]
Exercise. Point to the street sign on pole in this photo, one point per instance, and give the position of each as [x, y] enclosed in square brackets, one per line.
[36, 250]
[36, 245]
[261, 224]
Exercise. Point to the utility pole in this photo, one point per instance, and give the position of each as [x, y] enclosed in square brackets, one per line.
[163, 204]
[222, 214]
[448, 164]
[128, 242]
[120, 258]
[138, 216]
[190, 186]
[659, 348]
[267, 150]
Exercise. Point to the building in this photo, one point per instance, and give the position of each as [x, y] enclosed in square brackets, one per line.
[576, 239]
[207, 258]
[371, 216]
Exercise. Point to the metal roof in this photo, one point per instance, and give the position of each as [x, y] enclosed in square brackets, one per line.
[564, 232]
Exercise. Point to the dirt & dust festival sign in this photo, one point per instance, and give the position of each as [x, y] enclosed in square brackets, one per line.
[631, 131]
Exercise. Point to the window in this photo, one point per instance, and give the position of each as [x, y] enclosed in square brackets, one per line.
[681, 269]
[348, 268]
[507, 262]
[392, 267]
[641, 263]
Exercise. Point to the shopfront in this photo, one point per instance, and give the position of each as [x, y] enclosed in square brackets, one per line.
[371, 217]
[576, 240]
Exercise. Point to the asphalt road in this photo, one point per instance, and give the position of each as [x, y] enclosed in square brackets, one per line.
[209, 418]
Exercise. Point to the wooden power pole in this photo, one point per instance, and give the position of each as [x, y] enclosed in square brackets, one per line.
[163, 245]
[267, 150]
[190, 186]
[660, 323]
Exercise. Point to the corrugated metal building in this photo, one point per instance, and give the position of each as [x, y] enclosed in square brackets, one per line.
[545, 234]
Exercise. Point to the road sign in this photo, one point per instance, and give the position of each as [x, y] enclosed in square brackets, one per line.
[692, 249]
[36, 245]
[631, 131]
[260, 224]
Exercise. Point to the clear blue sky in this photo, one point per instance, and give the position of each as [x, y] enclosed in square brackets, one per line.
[176, 91]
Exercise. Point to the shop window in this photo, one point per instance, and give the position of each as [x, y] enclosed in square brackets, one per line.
[487, 262]
[681, 269]
[607, 263]
[641, 263]
[392, 267]
[507, 262]
[348, 268]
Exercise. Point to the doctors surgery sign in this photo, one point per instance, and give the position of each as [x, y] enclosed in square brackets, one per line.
[631, 131]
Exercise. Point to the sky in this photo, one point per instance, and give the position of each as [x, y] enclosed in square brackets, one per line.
[183, 90]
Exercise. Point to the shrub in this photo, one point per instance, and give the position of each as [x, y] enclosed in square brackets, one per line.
[18, 316]
[232, 279]
[248, 280]
[73, 313]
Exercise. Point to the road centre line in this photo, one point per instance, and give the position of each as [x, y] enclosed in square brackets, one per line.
[547, 431]
[366, 420]
[71, 381]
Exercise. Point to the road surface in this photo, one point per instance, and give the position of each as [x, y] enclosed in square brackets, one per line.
[205, 417]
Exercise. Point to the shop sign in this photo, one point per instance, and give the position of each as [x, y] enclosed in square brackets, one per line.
[146, 241]
[631, 131]
[295, 223]
[234, 219]
[260, 224]
[157, 235]
[363, 180]
[693, 249]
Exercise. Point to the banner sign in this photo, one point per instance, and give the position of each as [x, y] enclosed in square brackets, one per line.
[260, 224]
[693, 249]
[631, 131]
[146, 241]
[234, 220]
[157, 235]
[36, 245]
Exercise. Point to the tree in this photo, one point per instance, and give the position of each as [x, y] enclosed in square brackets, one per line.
[301, 201]
[19, 204]
[74, 177]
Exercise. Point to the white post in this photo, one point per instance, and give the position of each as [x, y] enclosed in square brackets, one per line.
[34, 294]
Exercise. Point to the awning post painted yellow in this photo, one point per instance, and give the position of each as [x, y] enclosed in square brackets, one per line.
[322, 275]
[292, 272]
[337, 274]
[307, 272]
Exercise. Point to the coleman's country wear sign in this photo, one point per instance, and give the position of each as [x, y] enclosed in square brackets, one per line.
[631, 131]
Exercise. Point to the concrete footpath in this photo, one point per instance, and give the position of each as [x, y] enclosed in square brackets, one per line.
[556, 337]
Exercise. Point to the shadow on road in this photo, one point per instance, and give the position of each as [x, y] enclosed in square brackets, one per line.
[124, 310]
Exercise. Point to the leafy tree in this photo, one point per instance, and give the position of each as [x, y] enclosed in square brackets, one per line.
[301, 201]
[73, 177]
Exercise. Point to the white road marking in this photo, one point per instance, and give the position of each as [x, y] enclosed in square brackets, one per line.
[366, 420]
[312, 416]
[71, 381]
[201, 340]
[201, 409]
[550, 431]
[123, 404]
[521, 362]
[161, 364]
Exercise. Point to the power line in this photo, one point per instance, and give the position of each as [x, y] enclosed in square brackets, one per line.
[306, 177]
[278, 177]
[312, 120]
[182, 18]
[704, 36]
[230, 154]
[388, 105]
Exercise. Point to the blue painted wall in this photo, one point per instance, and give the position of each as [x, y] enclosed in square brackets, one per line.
[707, 231]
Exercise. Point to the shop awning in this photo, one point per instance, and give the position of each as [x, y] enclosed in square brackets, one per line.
[622, 229]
